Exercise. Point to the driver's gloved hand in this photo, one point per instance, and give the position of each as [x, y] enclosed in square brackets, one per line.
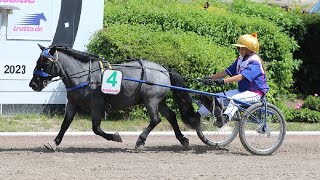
[207, 79]
[219, 82]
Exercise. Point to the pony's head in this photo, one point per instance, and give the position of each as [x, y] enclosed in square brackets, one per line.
[45, 68]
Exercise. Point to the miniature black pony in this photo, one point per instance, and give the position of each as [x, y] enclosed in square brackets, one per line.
[81, 74]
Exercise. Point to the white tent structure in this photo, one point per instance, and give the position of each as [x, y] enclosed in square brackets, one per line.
[315, 8]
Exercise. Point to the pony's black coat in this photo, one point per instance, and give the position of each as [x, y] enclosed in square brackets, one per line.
[73, 68]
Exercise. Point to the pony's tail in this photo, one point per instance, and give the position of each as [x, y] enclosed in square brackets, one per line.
[184, 101]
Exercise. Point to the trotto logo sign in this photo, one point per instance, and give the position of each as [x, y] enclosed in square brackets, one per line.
[33, 21]
[18, 1]
[29, 22]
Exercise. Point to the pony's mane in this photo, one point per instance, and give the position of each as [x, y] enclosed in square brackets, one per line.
[82, 56]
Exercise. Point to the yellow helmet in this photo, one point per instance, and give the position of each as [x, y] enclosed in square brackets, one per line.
[249, 41]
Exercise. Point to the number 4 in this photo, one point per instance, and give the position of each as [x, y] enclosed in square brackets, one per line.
[113, 78]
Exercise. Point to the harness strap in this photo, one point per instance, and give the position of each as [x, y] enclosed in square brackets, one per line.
[101, 67]
[90, 72]
[107, 105]
[142, 77]
[82, 85]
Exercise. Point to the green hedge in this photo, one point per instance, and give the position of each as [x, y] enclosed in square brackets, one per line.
[221, 26]
[290, 21]
[218, 24]
[312, 103]
[305, 115]
[309, 112]
[192, 55]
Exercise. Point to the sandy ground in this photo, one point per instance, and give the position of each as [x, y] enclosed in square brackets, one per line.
[92, 157]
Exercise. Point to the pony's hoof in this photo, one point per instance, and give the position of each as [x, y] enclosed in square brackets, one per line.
[185, 143]
[117, 137]
[51, 146]
[139, 147]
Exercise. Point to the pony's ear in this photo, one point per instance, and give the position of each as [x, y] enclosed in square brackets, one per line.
[52, 50]
[41, 47]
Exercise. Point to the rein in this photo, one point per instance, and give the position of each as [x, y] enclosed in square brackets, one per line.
[44, 74]
[84, 84]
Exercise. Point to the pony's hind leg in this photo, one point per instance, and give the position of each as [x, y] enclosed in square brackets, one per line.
[152, 108]
[171, 117]
[68, 118]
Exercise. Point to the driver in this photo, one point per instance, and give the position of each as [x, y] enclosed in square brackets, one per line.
[248, 71]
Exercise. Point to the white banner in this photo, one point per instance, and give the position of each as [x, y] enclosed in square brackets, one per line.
[32, 22]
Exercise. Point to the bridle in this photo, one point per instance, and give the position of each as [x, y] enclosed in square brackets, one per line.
[54, 59]
[46, 54]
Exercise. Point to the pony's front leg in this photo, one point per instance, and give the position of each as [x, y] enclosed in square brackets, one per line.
[97, 110]
[68, 118]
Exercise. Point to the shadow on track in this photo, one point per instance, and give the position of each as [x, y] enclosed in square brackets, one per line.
[195, 149]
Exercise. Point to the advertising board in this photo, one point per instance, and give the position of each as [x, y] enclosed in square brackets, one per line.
[26, 23]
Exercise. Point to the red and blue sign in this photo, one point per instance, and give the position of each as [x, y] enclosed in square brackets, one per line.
[33, 21]
[30, 23]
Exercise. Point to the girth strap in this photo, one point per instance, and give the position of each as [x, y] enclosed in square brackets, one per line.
[142, 77]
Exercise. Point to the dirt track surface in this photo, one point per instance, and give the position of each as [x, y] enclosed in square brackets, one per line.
[92, 157]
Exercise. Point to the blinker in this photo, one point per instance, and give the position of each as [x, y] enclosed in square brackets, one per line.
[41, 73]
[46, 53]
